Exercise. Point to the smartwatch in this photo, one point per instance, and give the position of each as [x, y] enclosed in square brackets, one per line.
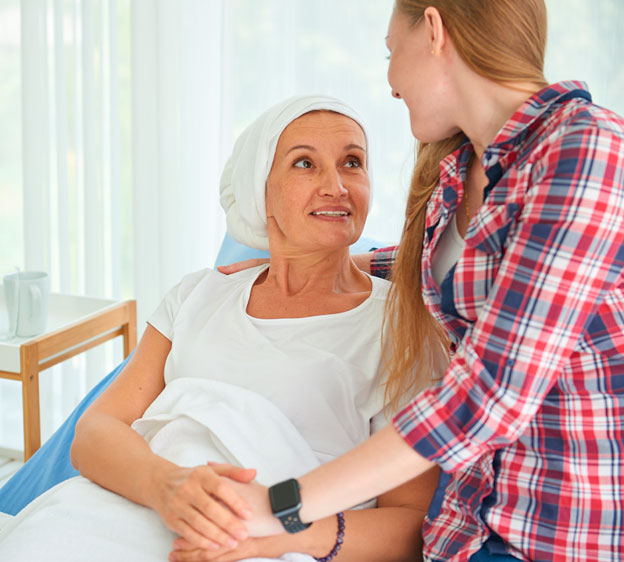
[286, 503]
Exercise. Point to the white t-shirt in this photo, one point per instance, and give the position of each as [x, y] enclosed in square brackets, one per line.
[323, 371]
[320, 372]
[449, 248]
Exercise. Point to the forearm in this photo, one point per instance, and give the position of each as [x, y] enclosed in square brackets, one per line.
[384, 462]
[381, 463]
[110, 453]
[385, 534]
[381, 261]
[363, 261]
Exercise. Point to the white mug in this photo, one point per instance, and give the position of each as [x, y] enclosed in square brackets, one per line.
[8, 318]
[26, 294]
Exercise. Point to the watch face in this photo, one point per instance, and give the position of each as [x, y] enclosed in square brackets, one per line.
[285, 496]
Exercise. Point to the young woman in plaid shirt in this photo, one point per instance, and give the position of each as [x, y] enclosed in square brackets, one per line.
[512, 256]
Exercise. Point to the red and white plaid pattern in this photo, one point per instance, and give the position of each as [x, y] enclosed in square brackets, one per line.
[529, 417]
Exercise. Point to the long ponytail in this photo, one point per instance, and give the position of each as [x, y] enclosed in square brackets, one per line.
[504, 41]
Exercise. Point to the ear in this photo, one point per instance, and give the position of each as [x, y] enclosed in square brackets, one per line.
[434, 30]
[267, 203]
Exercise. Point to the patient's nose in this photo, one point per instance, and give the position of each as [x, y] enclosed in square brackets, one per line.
[332, 185]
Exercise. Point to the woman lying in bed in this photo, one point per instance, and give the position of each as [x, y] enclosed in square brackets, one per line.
[276, 367]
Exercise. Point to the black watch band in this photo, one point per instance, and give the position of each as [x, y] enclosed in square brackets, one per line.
[292, 523]
[286, 503]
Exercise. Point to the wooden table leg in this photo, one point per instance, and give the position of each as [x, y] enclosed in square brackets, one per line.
[30, 399]
[129, 329]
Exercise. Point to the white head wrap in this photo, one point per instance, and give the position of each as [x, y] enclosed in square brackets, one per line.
[244, 177]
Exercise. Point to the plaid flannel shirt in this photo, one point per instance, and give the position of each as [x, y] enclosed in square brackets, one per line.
[529, 417]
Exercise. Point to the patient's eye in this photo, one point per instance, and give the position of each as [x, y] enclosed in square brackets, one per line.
[302, 163]
[353, 162]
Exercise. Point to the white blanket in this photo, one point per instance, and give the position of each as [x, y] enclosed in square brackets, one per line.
[193, 421]
[4, 519]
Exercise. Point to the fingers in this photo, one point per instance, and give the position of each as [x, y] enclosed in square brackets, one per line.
[194, 555]
[204, 509]
[188, 556]
[237, 473]
[221, 490]
[184, 551]
[182, 544]
[199, 539]
[239, 266]
[215, 520]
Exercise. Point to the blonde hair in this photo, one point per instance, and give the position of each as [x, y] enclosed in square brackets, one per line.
[503, 41]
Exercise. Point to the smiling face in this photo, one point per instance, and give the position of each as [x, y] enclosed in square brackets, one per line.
[423, 81]
[318, 189]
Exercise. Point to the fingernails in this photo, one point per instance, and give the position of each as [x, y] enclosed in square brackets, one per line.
[241, 534]
[231, 543]
[246, 513]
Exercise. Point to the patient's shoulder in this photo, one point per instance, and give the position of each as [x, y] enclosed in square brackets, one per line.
[211, 279]
[190, 281]
[213, 276]
[244, 274]
[380, 287]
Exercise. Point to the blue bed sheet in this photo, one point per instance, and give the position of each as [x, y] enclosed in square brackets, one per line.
[50, 464]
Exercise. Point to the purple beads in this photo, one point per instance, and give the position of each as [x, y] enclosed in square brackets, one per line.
[339, 539]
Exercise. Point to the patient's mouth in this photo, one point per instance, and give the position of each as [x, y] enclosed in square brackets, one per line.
[330, 213]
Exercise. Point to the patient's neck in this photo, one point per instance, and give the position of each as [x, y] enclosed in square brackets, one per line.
[299, 284]
[315, 271]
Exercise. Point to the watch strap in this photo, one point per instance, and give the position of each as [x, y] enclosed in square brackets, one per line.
[292, 523]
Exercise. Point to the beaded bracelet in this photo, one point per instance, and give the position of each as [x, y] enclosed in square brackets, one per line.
[339, 539]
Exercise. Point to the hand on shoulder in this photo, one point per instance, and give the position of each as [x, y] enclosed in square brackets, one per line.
[241, 265]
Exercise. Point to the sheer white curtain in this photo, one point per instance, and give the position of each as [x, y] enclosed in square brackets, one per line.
[69, 176]
[127, 111]
[585, 43]
[116, 117]
[178, 123]
[70, 157]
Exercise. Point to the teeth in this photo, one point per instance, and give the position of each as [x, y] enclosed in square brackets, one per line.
[331, 213]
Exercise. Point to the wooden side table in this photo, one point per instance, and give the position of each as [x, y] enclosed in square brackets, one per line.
[75, 324]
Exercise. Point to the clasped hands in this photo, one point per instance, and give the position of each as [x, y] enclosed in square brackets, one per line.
[219, 513]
